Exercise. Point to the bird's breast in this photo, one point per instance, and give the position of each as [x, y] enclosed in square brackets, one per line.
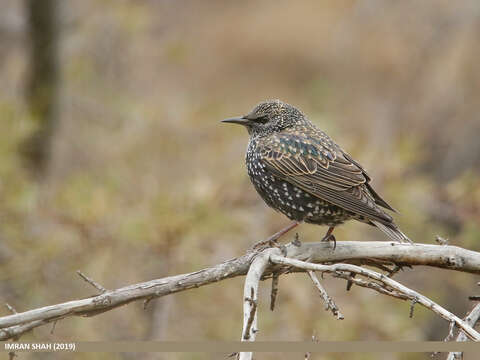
[287, 198]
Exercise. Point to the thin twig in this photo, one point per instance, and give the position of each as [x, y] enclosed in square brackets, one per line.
[308, 354]
[472, 318]
[10, 308]
[251, 316]
[92, 282]
[274, 293]
[379, 265]
[412, 307]
[329, 303]
[475, 297]
[441, 240]
[395, 270]
[272, 239]
[379, 287]
[146, 302]
[53, 327]
[451, 328]
[350, 281]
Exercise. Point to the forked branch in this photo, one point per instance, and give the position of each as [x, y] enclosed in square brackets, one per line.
[448, 257]
[385, 282]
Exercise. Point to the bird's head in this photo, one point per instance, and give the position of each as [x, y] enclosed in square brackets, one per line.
[269, 117]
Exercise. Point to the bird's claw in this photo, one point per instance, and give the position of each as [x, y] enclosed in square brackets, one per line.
[329, 238]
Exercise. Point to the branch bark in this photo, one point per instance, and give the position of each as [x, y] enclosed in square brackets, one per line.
[14, 325]
[250, 296]
[448, 257]
[441, 256]
[471, 319]
[329, 303]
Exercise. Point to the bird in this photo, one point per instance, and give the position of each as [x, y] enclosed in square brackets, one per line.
[298, 170]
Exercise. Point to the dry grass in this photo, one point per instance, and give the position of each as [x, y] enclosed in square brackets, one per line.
[145, 182]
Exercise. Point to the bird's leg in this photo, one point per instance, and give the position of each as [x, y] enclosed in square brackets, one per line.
[330, 237]
[272, 240]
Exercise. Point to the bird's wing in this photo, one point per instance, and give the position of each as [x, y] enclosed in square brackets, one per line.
[378, 199]
[319, 167]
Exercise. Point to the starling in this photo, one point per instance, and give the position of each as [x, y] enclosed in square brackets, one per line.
[300, 171]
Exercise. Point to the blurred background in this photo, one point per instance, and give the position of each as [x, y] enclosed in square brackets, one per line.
[113, 160]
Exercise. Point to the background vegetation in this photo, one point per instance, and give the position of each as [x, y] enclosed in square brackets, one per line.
[113, 161]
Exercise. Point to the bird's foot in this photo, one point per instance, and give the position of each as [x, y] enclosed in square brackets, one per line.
[261, 245]
[265, 244]
[296, 241]
[272, 241]
[329, 238]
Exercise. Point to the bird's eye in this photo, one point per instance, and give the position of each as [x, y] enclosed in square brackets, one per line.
[258, 118]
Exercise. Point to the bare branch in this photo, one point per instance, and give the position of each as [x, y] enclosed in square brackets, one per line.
[441, 240]
[274, 292]
[449, 257]
[412, 307]
[250, 295]
[251, 315]
[9, 307]
[442, 256]
[411, 294]
[370, 285]
[471, 319]
[14, 332]
[329, 303]
[451, 329]
[16, 324]
[53, 327]
[92, 282]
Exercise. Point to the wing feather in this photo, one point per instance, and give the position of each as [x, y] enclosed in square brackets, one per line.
[325, 171]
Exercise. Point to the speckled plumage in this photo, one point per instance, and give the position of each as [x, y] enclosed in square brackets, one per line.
[298, 170]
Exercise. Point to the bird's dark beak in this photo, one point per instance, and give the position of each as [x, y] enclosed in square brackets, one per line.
[237, 120]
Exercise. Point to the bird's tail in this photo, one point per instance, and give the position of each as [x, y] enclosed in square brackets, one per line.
[392, 231]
